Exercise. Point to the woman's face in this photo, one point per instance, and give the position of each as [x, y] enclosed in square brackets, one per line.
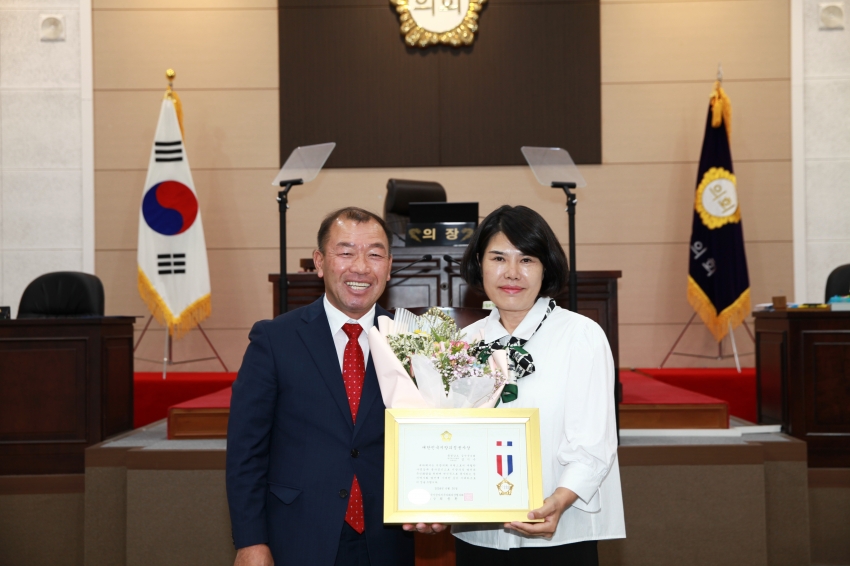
[512, 280]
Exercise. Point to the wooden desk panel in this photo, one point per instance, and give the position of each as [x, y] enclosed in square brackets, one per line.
[65, 384]
[803, 379]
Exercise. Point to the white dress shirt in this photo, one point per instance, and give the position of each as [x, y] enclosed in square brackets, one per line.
[336, 319]
[573, 386]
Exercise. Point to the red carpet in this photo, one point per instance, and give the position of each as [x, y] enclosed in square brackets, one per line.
[737, 389]
[152, 396]
[642, 390]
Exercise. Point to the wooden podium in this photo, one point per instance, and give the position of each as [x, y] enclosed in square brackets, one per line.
[803, 379]
[65, 384]
[437, 282]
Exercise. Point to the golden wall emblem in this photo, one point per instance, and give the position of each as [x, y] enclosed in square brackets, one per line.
[434, 22]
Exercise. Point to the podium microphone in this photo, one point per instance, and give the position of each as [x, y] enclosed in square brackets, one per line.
[426, 257]
[450, 259]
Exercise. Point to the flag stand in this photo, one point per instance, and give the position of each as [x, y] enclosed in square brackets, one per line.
[720, 355]
[168, 355]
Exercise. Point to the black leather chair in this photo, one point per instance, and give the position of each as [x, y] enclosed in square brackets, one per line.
[62, 294]
[838, 282]
[400, 193]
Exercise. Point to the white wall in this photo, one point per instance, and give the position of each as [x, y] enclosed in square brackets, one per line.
[822, 162]
[46, 194]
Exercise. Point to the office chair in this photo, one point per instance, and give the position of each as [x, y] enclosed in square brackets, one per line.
[838, 282]
[62, 294]
[400, 193]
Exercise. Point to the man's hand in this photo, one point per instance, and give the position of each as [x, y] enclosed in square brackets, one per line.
[425, 528]
[257, 555]
[553, 507]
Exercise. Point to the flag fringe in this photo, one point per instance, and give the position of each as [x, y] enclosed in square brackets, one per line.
[178, 109]
[718, 324]
[178, 325]
[721, 110]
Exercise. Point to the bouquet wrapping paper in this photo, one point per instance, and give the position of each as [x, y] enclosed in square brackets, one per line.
[399, 391]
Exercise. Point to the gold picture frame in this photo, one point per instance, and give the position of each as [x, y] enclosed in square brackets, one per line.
[522, 424]
[417, 35]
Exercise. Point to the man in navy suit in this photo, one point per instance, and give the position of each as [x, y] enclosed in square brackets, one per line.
[305, 461]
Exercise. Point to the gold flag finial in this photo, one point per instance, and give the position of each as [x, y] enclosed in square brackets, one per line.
[171, 74]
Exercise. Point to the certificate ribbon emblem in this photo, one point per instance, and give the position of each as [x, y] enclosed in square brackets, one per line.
[504, 467]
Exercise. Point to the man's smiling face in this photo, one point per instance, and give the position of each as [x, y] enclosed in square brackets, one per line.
[355, 264]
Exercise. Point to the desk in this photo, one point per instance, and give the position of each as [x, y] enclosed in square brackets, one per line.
[803, 379]
[65, 384]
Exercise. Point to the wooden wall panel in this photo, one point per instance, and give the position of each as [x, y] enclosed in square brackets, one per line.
[635, 214]
[653, 287]
[102, 5]
[154, 40]
[530, 78]
[345, 78]
[646, 345]
[224, 128]
[238, 207]
[664, 122]
[684, 41]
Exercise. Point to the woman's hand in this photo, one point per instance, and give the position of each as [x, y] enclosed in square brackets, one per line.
[424, 528]
[553, 507]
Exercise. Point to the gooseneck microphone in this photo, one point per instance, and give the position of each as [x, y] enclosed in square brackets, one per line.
[426, 257]
[450, 259]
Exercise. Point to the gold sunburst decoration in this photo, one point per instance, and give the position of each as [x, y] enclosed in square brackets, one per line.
[433, 22]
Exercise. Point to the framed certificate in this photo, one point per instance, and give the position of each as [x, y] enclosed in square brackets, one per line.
[461, 465]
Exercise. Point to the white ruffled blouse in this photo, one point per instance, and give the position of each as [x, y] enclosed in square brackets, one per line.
[573, 386]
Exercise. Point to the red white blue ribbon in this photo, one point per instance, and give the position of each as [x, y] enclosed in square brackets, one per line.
[502, 459]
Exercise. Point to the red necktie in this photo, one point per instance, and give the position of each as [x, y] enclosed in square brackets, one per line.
[353, 374]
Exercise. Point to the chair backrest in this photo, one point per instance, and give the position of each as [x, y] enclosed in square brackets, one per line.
[462, 316]
[838, 282]
[400, 193]
[62, 294]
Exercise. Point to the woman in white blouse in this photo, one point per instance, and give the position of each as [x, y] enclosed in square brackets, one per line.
[566, 371]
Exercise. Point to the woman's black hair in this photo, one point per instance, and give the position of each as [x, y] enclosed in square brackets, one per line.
[531, 235]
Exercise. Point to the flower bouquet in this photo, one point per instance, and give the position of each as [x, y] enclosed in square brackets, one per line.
[423, 362]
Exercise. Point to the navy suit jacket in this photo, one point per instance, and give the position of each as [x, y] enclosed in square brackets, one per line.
[292, 449]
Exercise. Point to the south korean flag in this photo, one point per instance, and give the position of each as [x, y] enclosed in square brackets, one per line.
[173, 274]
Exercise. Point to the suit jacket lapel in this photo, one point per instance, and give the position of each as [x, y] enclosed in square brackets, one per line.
[319, 342]
[371, 395]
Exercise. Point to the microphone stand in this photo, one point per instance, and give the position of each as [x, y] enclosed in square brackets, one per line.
[426, 257]
[282, 206]
[571, 214]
